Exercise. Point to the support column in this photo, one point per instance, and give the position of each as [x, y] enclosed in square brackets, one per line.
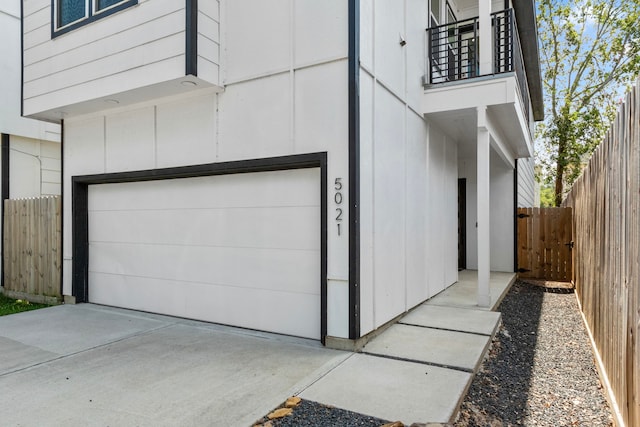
[485, 45]
[484, 206]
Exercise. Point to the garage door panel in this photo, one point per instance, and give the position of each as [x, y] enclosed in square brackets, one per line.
[277, 269]
[281, 188]
[242, 249]
[286, 228]
[256, 309]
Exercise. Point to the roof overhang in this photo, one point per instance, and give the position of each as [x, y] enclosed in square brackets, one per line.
[525, 11]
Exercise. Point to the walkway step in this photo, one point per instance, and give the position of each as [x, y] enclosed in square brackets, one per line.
[392, 389]
[456, 350]
[420, 368]
[452, 318]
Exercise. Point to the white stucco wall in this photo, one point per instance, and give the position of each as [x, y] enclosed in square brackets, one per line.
[408, 170]
[501, 212]
[11, 121]
[502, 216]
[34, 169]
[285, 93]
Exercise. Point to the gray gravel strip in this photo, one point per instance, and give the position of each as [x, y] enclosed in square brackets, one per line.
[540, 371]
[312, 414]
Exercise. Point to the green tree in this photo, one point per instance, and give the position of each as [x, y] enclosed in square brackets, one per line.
[589, 50]
[547, 196]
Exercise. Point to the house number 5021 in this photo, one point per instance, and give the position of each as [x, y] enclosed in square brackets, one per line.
[337, 198]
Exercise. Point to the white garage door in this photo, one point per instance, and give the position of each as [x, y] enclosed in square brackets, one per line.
[240, 249]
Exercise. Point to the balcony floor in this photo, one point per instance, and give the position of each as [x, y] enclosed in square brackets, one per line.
[453, 107]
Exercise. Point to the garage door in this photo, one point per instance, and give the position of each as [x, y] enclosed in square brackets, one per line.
[240, 249]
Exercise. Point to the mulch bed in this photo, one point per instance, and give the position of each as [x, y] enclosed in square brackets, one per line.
[540, 371]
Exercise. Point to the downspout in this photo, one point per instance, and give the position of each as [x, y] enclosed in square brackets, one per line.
[515, 218]
[37, 157]
[62, 209]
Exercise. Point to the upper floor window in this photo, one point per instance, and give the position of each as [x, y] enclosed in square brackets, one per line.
[70, 14]
[441, 12]
[435, 12]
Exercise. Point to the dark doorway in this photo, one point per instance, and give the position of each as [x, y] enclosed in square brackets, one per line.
[462, 223]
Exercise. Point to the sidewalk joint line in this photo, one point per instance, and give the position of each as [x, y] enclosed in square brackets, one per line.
[64, 356]
[421, 362]
[444, 329]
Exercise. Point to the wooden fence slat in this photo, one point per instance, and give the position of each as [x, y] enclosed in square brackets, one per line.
[537, 256]
[606, 204]
[32, 239]
[542, 237]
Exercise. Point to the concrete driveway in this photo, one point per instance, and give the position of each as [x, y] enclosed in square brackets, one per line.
[88, 365]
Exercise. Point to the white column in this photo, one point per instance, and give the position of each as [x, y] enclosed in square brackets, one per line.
[485, 45]
[483, 204]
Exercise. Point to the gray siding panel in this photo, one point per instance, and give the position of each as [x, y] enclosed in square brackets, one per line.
[526, 183]
[89, 62]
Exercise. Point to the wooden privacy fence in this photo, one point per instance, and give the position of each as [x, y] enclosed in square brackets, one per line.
[606, 204]
[32, 241]
[544, 244]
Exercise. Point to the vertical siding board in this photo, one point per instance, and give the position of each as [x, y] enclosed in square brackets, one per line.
[634, 270]
[35, 236]
[606, 203]
[535, 271]
[24, 258]
[53, 277]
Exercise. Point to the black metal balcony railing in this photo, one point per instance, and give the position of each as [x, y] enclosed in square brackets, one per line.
[453, 51]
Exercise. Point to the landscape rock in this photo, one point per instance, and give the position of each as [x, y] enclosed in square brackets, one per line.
[292, 402]
[279, 413]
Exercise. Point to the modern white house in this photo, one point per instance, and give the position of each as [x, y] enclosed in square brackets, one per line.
[30, 158]
[283, 165]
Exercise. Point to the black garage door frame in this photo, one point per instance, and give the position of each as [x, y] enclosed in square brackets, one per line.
[80, 215]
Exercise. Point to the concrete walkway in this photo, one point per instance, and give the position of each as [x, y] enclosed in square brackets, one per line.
[420, 368]
[86, 365]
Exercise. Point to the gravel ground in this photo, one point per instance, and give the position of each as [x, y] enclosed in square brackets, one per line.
[311, 414]
[540, 371]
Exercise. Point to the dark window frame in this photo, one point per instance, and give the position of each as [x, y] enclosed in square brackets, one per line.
[91, 15]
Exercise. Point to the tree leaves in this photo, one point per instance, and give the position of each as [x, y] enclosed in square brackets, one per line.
[590, 50]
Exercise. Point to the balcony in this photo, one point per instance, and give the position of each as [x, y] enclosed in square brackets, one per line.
[454, 52]
[469, 67]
